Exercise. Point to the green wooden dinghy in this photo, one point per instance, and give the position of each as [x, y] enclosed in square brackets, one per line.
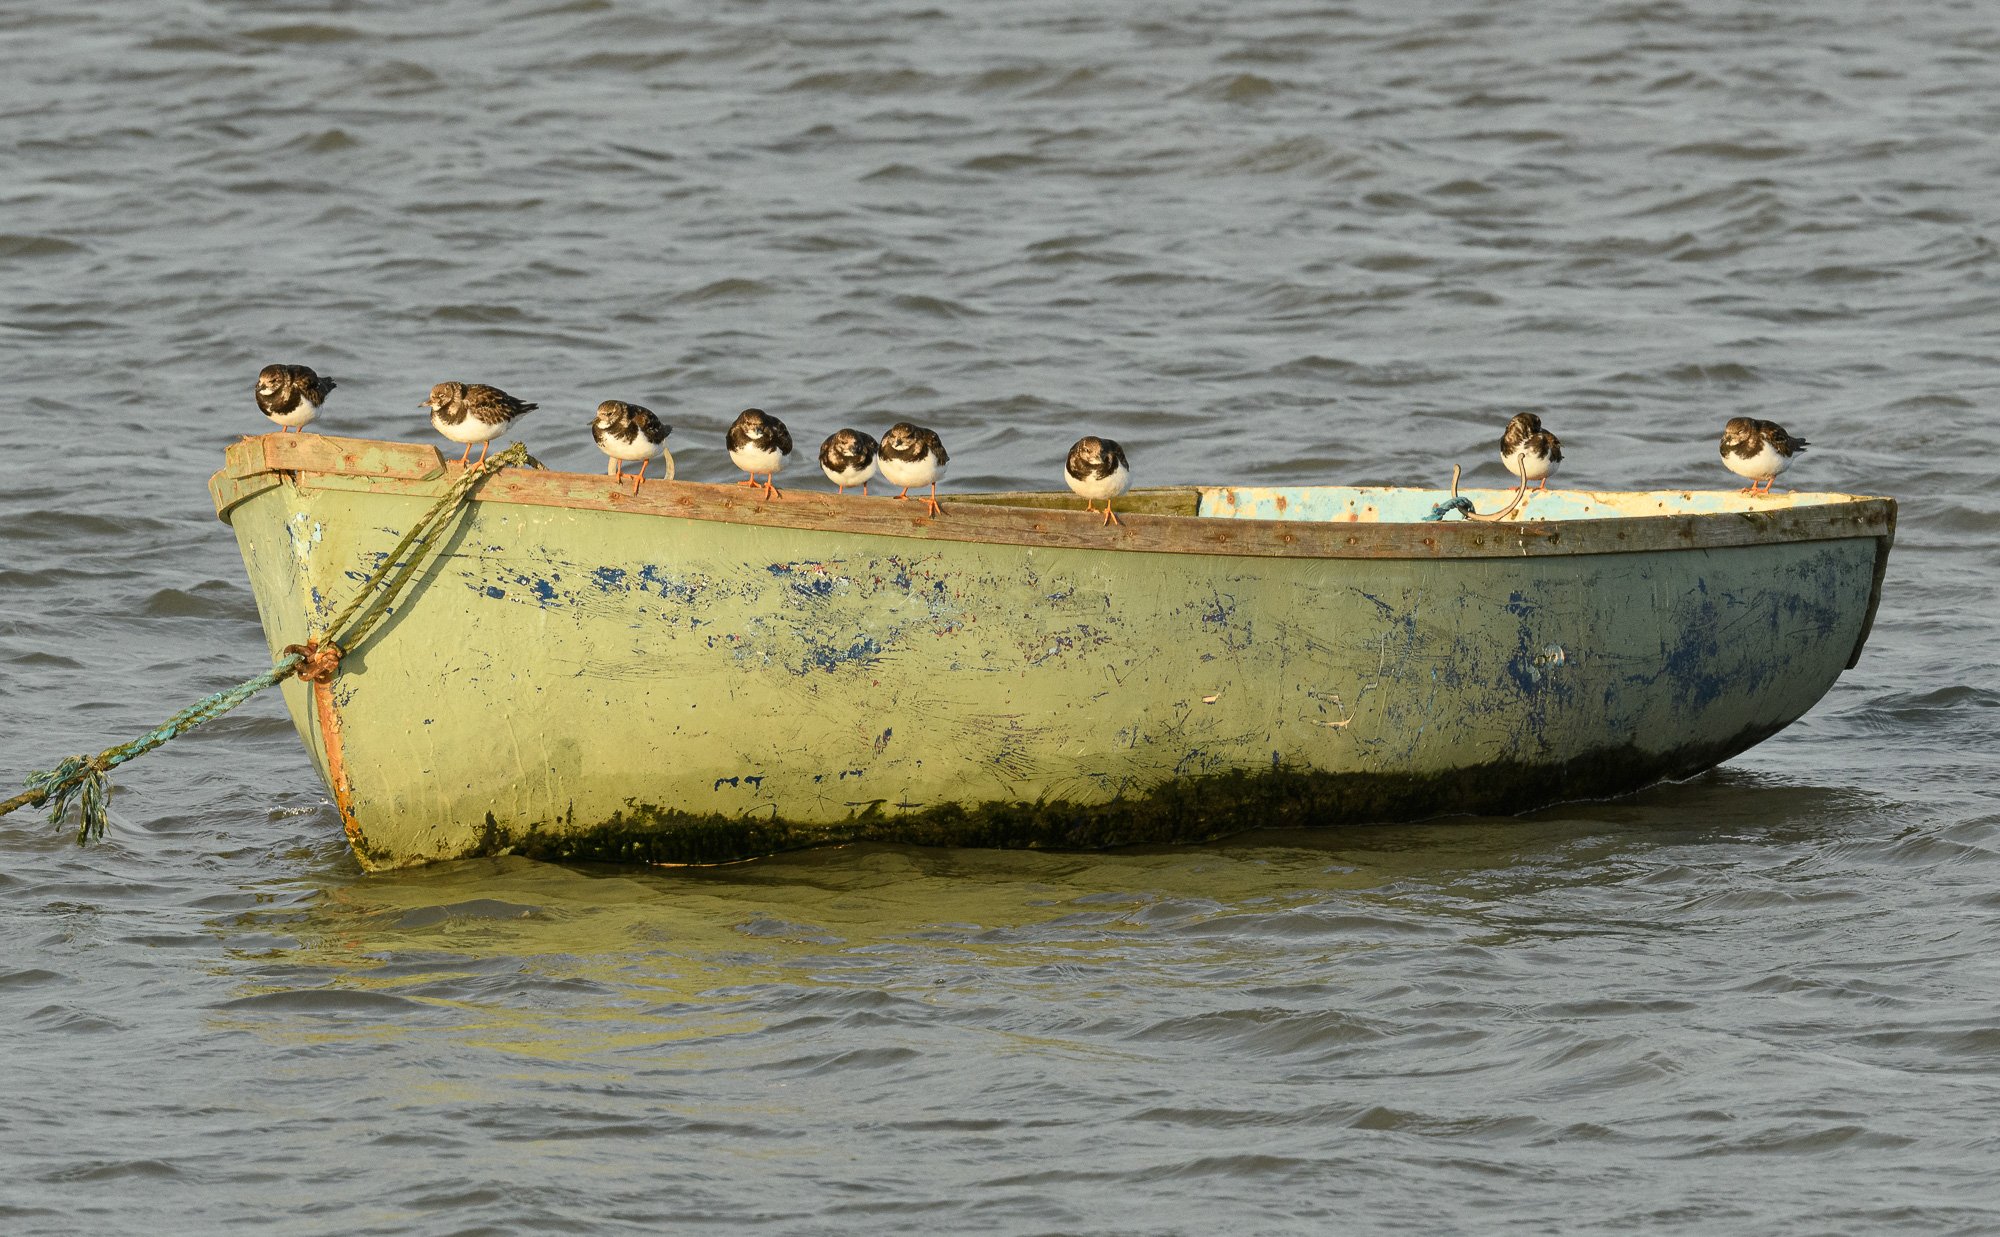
[695, 674]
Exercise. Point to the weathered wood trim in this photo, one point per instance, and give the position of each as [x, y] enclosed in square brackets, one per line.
[397, 468]
[230, 491]
[322, 453]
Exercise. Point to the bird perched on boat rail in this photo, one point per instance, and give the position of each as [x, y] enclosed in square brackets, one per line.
[1758, 451]
[910, 456]
[1096, 469]
[291, 395]
[473, 412]
[847, 457]
[628, 432]
[759, 443]
[1529, 451]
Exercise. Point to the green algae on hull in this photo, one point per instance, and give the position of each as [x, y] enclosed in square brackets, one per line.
[1197, 809]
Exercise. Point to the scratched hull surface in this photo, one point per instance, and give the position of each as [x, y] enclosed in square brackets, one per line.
[594, 683]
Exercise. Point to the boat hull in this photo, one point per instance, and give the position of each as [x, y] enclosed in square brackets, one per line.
[618, 682]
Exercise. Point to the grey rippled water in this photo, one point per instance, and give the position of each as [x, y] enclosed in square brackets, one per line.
[1269, 241]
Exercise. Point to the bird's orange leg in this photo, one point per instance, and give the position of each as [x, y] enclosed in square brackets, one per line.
[864, 489]
[1090, 505]
[466, 456]
[1109, 517]
[639, 478]
[936, 510]
[749, 480]
[905, 494]
[1544, 485]
[770, 491]
[484, 447]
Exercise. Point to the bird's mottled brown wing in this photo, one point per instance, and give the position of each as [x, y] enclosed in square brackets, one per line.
[1783, 443]
[492, 406]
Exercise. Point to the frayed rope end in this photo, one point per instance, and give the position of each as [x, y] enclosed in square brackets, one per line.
[78, 781]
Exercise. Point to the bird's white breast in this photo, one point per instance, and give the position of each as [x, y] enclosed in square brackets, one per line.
[634, 448]
[1101, 488]
[302, 413]
[752, 458]
[851, 475]
[1527, 465]
[1766, 463]
[471, 429]
[906, 473]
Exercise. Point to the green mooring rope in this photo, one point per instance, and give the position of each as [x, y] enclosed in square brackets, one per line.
[80, 781]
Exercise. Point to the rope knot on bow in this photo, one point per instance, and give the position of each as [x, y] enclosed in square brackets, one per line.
[319, 660]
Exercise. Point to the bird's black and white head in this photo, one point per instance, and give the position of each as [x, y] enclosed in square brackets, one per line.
[444, 397]
[757, 430]
[271, 380]
[906, 442]
[1520, 427]
[1096, 459]
[625, 422]
[847, 449]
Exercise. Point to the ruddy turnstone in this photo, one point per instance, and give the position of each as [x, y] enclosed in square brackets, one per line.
[1758, 450]
[627, 432]
[291, 394]
[759, 443]
[1097, 469]
[474, 412]
[847, 458]
[911, 455]
[1529, 451]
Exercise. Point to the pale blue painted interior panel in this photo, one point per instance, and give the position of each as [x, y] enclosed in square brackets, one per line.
[1381, 505]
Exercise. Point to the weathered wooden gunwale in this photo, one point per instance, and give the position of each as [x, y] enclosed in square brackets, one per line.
[1160, 520]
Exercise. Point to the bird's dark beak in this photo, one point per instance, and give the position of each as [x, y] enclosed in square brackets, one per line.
[424, 407]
